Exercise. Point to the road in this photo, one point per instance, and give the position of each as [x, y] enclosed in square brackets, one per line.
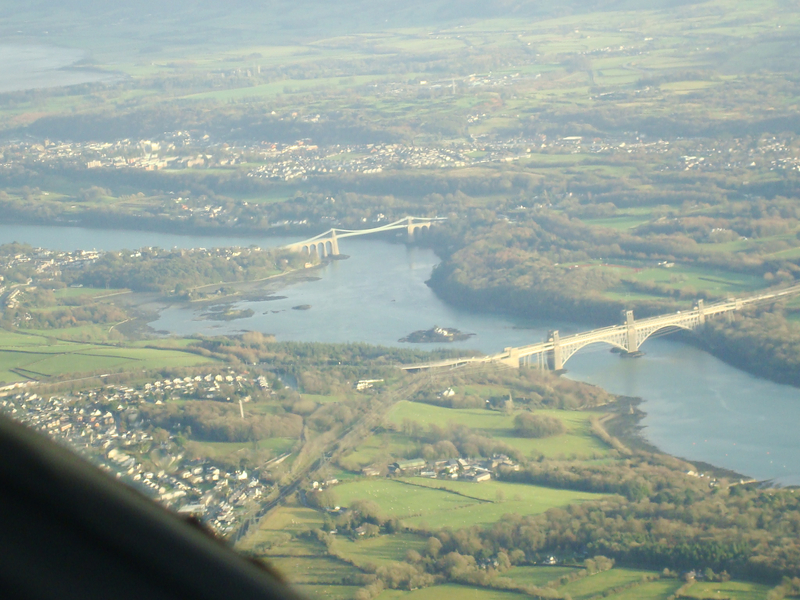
[347, 440]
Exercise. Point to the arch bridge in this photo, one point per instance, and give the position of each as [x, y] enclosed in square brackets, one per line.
[327, 243]
[627, 337]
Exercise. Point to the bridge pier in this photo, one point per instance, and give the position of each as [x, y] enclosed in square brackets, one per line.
[630, 331]
[512, 360]
[701, 311]
[334, 244]
[558, 356]
[412, 227]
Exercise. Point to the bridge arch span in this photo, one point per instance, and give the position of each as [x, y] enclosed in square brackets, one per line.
[571, 350]
[644, 334]
[418, 229]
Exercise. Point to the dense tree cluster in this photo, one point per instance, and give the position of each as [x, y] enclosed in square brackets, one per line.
[321, 367]
[679, 523]
[768, 344]
[220, 422]
[453, 441]
[178, 271]
[537, 426]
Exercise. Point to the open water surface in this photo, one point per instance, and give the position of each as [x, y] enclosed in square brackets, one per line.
[37, 66]
[697, 407]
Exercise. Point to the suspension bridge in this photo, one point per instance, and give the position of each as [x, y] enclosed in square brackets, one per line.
[327, 243]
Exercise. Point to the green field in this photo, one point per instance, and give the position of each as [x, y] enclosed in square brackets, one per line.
[404, 501]
[619, 222]
[597, 584]
[281, 525]
[380, 550]
[653, 590]
[735, 590]
[232, 450]
[327, 592]
[24, 357]
[383, 446]
[578, 440]
[313, 570]
[418, 502]
[71, 292]
[537, 576]
[714, 281]
[450, 592]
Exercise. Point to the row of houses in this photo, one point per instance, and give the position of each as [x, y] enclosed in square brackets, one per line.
[467, 469]
[97, 424]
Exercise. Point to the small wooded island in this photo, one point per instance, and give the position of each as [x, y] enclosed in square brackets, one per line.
[227, 314]
[436, 335]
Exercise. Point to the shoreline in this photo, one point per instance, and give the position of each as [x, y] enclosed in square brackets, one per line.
[148, 307]
[625, 426]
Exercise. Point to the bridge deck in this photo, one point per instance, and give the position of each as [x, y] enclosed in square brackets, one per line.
[345, 233]
[682, 319]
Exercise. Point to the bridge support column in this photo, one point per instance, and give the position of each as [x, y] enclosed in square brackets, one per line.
[558, 357]
[513, 358]
[701, 312]
[410, 228]
[630, 331]
[334, 244]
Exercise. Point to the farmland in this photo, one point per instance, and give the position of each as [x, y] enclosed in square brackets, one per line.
[431, 503]
[381, 550]
[597, 584]
[450, 592]
[577, 441]
[26, 357]
[585, 158]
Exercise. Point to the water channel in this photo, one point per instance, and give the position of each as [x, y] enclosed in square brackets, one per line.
[697, 407]
[37, 66]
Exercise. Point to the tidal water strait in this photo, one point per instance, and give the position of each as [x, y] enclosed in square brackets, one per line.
[36, 66]
[696, 406]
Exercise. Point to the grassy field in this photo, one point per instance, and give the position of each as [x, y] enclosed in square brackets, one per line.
[404, 501]
[383, 446]
[418, 502]
[735, 590]
[653, 590]
[314, 571]
[450, 592]
[328, 592]
[380, 550]
[231, 450]
[680, 277]
[619, 222]
[24, 357]
[301, 561]
[538, 576]
[83, 291]
[597, 584]
[578, 440]
[714, 281]
[281, 525]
